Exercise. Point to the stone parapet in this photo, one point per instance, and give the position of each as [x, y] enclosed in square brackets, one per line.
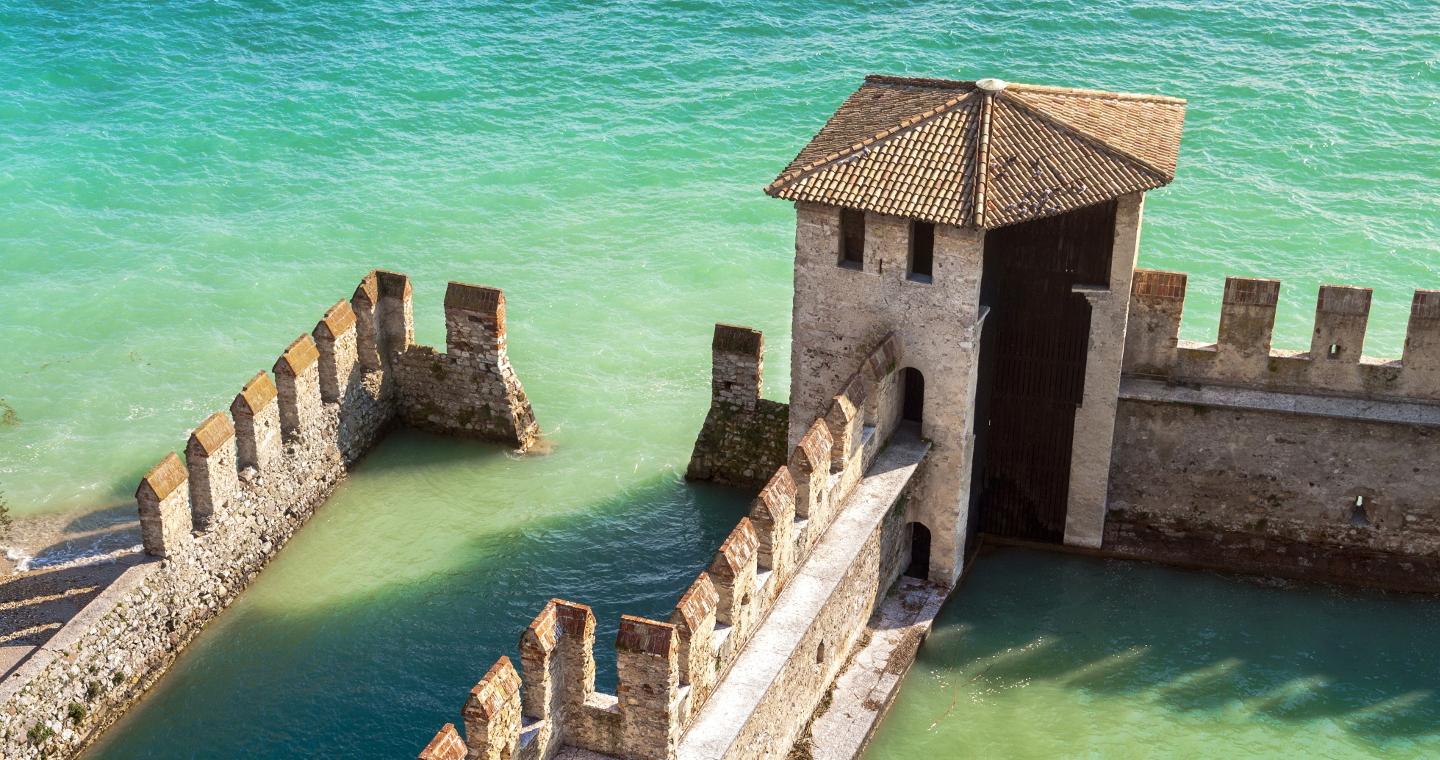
[247, 490]
[1243, 356]
[472, 389]
[210, 456]
[743, 437]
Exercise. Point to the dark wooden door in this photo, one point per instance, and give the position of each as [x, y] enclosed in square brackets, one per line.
[1037, 378]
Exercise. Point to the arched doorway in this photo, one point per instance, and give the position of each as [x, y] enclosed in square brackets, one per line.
[912, 384]
[919, 552]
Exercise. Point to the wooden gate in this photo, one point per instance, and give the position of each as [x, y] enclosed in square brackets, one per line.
[1037, 374]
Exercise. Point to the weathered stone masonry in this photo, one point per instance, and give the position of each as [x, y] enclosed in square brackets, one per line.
[248, 482]
[1316, 464]
[743, 438]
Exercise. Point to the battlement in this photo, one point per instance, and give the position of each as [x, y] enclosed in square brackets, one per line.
[320, 399]
[248, 480]
[669, 669]
[470, 390]
[743, 438]
[1242, 355]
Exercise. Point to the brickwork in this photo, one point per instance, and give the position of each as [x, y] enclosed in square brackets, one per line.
[447, 745]
[248, 483]
[742, 439]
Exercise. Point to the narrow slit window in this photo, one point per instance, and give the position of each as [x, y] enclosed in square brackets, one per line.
[922, 251]
[852, 238]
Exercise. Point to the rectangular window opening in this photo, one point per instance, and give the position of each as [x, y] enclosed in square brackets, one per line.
[922, 251]
[852, 238]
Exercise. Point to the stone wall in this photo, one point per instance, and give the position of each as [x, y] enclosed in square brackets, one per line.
[211, 522]
[669, 670]
[743, 438]
[841, 312]
[1317, 464]
[471, 389]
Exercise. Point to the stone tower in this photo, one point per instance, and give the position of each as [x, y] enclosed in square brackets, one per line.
[993, 229]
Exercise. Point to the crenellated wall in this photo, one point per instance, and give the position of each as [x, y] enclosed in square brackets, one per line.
[1320, 463]
[248, 481]
[471, 389]
[743, 437]
[668, 671]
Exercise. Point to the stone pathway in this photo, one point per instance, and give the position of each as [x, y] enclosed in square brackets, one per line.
[863, 691]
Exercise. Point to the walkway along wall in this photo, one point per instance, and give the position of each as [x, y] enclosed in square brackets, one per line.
[784, 601]
[1318, 464]
[248, 482]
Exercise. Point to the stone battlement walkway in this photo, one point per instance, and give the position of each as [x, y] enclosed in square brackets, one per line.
[759, 667]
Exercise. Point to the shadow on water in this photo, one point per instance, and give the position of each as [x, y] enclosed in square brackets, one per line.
[296, 669]
[1191, 644]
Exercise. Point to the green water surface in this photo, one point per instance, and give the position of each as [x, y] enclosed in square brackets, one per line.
[1048, 656]
[185, 186]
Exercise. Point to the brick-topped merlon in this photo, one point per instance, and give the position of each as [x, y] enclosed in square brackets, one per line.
[1341, 314]
[558, 665]
[810, 468]
[297, 380]
[1242, 356]
[446, 745]
[395, 316]
[256, 411]
[492, 714]
[164, 501]
[737, 366]
[365, 305]
[773, 517]
[336, 338]
[733, 571]
[647, 665]
[537, 644]
[844, 419]
[474, 321]
[694, 621]
[1157, 300]
[575, 650]
[1247, 318]
[210, 457]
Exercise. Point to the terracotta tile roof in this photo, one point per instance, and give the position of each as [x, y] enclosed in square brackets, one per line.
[952, 153]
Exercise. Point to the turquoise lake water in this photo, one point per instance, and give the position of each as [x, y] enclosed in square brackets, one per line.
[185, 186]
